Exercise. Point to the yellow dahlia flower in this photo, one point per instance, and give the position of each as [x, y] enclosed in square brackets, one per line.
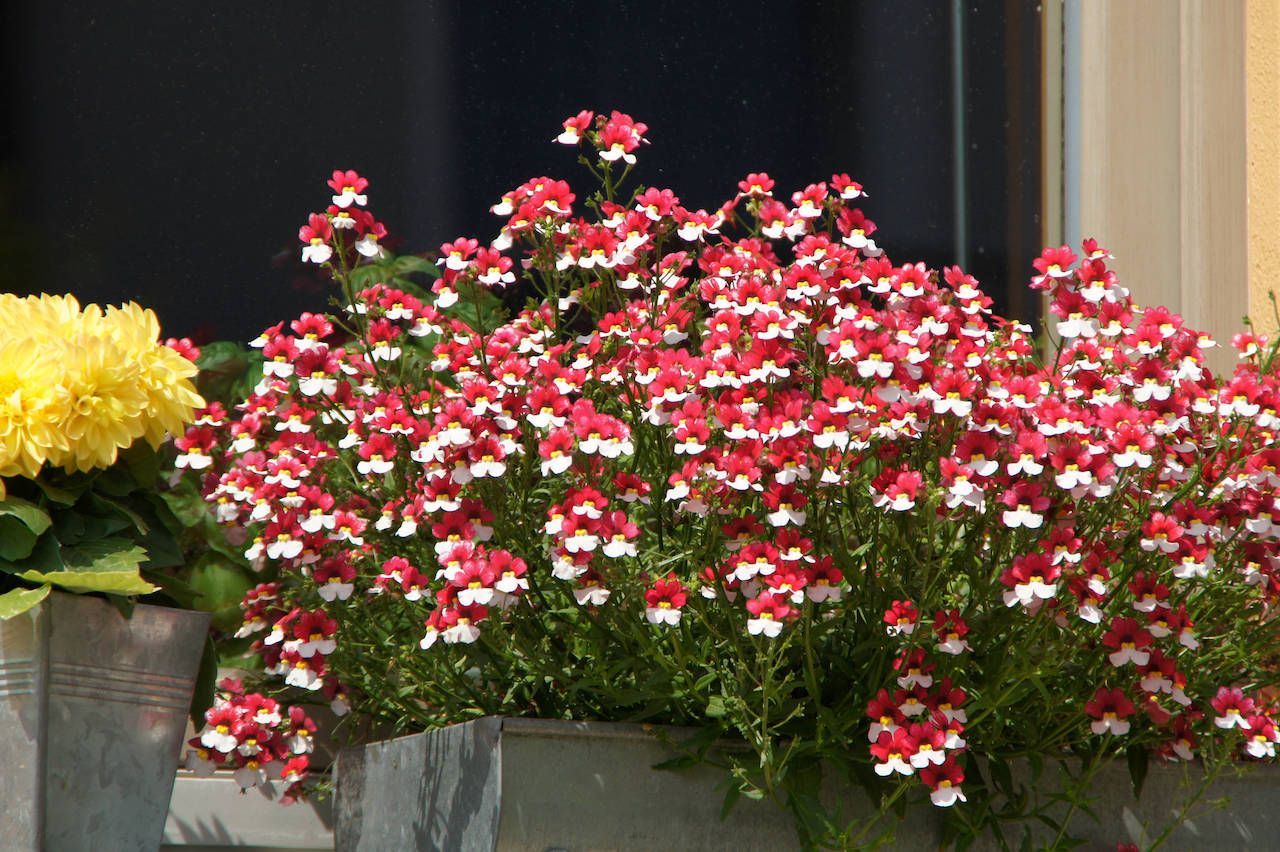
[163, 375]
[78, 385]
[107, 402]
[33, 406]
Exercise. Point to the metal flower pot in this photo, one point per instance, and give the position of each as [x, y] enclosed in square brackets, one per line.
[554, 786]
[93, 708]
[507, 784]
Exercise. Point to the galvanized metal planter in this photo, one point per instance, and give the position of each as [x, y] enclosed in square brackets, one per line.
[92, 713]
[551, 786]
[506, 784]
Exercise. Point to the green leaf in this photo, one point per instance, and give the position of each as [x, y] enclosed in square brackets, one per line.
[219, 586]
[478, 307]
[409, 264]
[227, 371]
[109, 565]
[45, 556]
[1037, 766]
[16, 539]
[173, 588]
[108, 554]
[119, 509]
[206, 681]
[716, 707]
[1136, 756]
[396, 272]
[1001, 776]
[1044, 692]
[731, 797]
[1049, 821]
[36, 519]
[160, 543]
[163, 512]
[123, 605]
[217, 542]
[115, 481]
[142, 462]
[17, 601]
[221, 354]
[186, 504]
[683, 761]
[193, 519]
[69, 526]
[64, 493]
[108, 582]
[84, 524]
[703, 740]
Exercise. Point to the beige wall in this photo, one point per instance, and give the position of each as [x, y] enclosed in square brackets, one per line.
[1162, 152]
[1263, 104]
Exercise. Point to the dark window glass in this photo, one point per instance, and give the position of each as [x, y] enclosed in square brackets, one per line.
[167, 152]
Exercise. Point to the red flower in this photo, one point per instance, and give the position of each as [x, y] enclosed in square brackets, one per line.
[756, 185]
[1110, 710]
[348, 188]
[1233, 708]
[664, 601]
[1128, 642]
[951, 630]
[575, 127]
[1053, 265]
[893, 750]
[944, 782]
[769, 611]
[315, 237]
[901, 618]
[619, 137]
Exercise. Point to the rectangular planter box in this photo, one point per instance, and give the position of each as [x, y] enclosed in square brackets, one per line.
[507, 784]
[552, 786]
[92, 711]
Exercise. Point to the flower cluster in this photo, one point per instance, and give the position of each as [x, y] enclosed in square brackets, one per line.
[255, 737]
[727, 435]
[77, 386]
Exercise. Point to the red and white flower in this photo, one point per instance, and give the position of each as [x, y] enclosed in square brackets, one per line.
[1110, 711]
[768, 613]
[665, 601]
[349, 189]
[944, 782]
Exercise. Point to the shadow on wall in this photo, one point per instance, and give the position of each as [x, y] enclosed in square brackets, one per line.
[212, 813]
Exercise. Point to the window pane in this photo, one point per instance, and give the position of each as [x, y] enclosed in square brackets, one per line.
[169, 154]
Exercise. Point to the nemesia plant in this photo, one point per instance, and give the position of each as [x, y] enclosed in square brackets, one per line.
[261, 742]
[738, 469]
[87, 396]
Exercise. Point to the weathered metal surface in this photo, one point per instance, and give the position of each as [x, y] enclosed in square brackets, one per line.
[1237, 812]
[92, 712]
[516, 784]
[426, 791]
[23, 675]
[521, 784]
